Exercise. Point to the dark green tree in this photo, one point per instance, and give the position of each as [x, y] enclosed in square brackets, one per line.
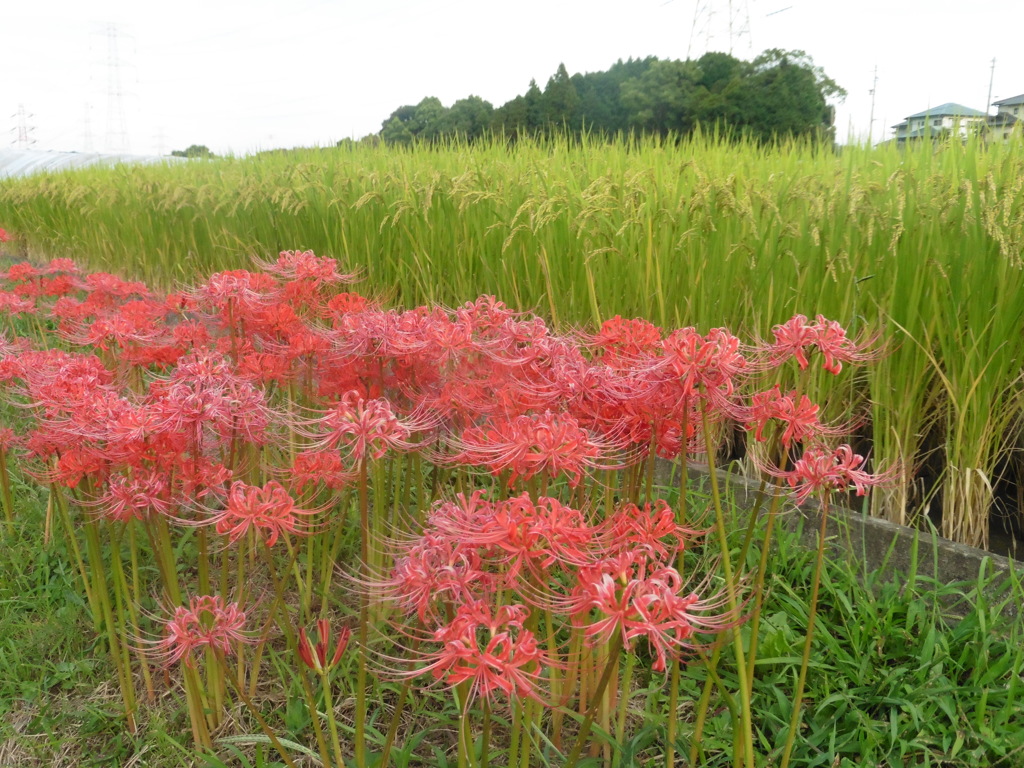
[535, 117]
[396, 132]
[468, 118]
[560, 100]
[194, 150]
[788, 96]
[658, 100]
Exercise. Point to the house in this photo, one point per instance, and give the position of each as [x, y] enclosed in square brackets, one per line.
[1011, 106]
[942, 120]
[1008, 117]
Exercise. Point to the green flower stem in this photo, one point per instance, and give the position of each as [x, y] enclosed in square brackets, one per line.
[672, 724]
[624, 690]
[5, 488]
[517, 727]
[100, 588]
[762, 567]
[485, 747]
[672, 719]
[465, 731]
[57, 498]
[194, 702]
[133, 603]
[364, 618]
[332, 724]
[614, 649]
[746, 723]
[798, 696]
[318, 731]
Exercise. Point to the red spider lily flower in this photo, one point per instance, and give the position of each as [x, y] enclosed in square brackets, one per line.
[204, 393]
[433, 573]
[622, 343]
[365, 428]
[13, 304]
[796, 335]
[797, 412]
[134, 497]
[791, 339]
[21, 272]
[269, 510]
[4, 236]
[345, 303]
[56, 266]
[822, 471]
[207, 622]
[652, 530]
[529, 445]
[106, 286]
[836, 348]
[316, 467]
[694, 361]
[655, 605]
[490, 649]
[305, 265]
[517, 532]
[315, 656]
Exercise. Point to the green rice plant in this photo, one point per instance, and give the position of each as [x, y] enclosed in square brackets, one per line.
[700, 232]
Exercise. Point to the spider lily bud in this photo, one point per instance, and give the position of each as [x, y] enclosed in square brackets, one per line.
[315, 656]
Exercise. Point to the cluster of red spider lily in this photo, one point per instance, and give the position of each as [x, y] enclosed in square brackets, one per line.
[248, 405]
[494, 565]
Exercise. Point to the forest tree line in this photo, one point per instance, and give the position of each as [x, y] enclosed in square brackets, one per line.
[779, 93]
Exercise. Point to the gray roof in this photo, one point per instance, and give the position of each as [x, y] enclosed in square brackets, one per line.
[949, 109]
[1010, 101]
[920, 133]
[1003, 118]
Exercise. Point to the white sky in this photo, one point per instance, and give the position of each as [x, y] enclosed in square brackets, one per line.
[257, 74]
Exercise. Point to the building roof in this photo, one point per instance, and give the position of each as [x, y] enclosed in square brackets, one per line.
[1003, 118]
[1010, 101]
[920, 133]
[949, 109]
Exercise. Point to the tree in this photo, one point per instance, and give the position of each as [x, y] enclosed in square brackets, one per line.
[780, 93]
[560, 99]
[534, 108]
[193, 150]
[420, 121]
[396, 132]
[658, 100]
[469, 118]
[788, 96]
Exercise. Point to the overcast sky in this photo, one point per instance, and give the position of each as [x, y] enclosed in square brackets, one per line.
[146, 76]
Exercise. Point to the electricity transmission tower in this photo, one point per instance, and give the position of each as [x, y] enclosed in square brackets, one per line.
[117, 125]
[23, 131]
[722, 25]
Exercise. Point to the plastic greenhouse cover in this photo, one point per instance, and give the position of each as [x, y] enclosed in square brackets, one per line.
[25, 162]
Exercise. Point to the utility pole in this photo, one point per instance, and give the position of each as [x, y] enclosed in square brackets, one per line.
[991, 77]
[871, 122]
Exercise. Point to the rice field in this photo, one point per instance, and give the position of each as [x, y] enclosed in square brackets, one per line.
[921, 248]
